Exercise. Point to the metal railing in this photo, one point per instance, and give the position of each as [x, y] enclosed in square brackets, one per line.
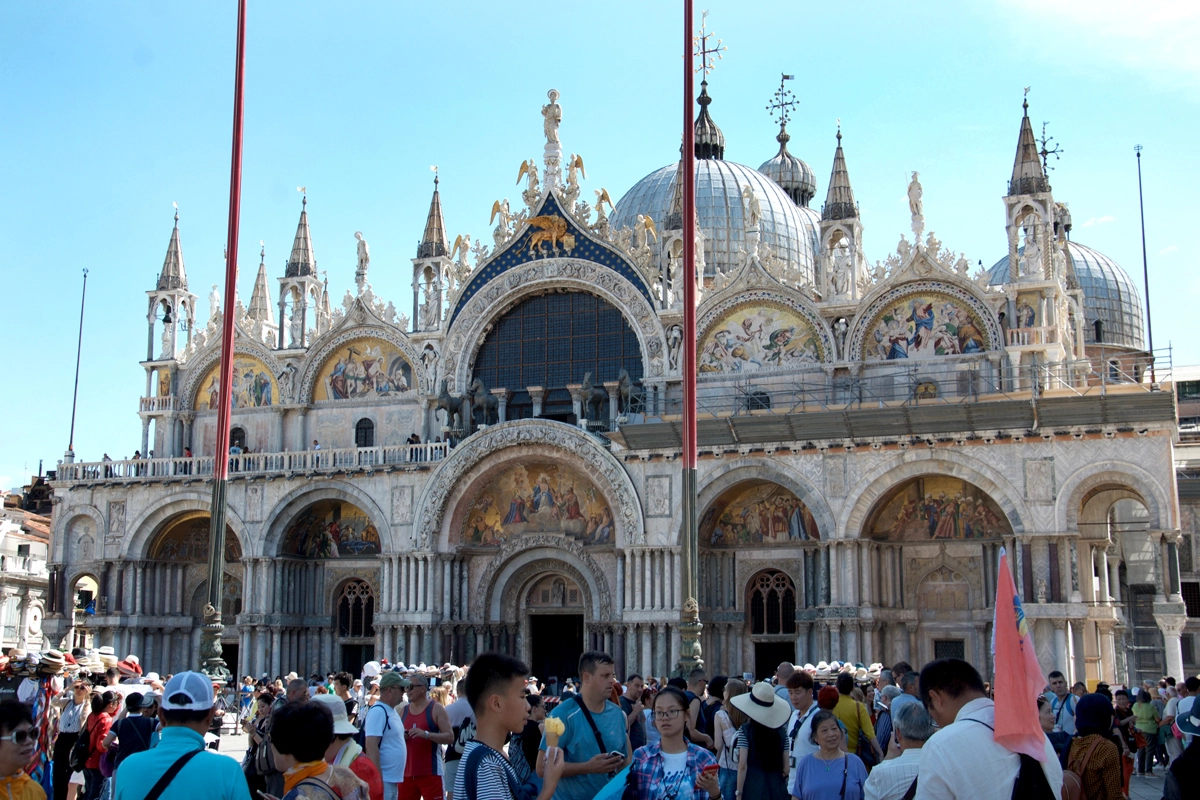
[254, 463]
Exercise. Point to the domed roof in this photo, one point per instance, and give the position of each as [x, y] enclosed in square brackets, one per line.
[792, 232]
[793, 175]
[1108, 295]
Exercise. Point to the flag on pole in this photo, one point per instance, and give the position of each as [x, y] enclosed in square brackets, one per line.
[1019, 678]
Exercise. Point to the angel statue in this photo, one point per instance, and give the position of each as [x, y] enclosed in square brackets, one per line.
[462, 245]
[753, 209]
[552, 112]
[644, 230]
[500, 209]
[529, 171]
[574, 170]
[214, 304]
[601, 225]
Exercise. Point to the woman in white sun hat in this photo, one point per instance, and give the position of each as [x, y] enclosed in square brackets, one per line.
[762, 744]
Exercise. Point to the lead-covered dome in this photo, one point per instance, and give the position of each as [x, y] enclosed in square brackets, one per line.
[792, 232]
[792, 174]
[1109, 295]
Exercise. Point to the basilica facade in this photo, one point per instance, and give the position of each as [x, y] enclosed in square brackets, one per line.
[502, 469]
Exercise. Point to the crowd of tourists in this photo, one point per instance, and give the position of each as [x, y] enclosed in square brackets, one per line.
[492, 731]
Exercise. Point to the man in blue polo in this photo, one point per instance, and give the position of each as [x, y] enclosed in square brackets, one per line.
[180, 762]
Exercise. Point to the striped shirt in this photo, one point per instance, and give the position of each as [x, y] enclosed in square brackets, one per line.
[493, 779]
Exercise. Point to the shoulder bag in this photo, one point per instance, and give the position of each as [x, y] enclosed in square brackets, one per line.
[1073, 775]
[81, 750]
[169, 775]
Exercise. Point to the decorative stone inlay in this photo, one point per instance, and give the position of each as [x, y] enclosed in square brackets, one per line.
[599, 463]
[880, 302]
[370, 329]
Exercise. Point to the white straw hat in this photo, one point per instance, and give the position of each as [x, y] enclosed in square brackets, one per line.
[762, 705]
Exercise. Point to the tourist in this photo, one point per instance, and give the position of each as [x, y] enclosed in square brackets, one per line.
[300, 738]
[1123, 722]
[631, 705]
[648, 695]
[1145, 724]
[316, 445]
[135, 732]
[462, 722]
[1185, 770]
[18, 740]
[385, 733]
[711, 703]
[892, 779]
[75, 707]
[909, 682]
[1173, 746]
[343, 751]
[426, 728]
[782, 673]
[884, 719]
[1092, 754]
[523, 747]
[725, 728]
[594, 743]
[804, 708]
[674, 768]
[762, 744]
[1062, 703]
[697, 683]
[831, 773]
[342, 684]
[220, 706]
[962, 760]
[496, 692]
[259, 764]
[1059, 740]
[856, 719]
[180, 760]
[104, 707]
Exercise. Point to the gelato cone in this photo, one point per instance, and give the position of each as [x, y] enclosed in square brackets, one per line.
[554, 729]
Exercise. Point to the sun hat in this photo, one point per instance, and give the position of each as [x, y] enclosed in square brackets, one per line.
[370, 669]
[762, 705]
[1187, 716]
[188, 691]
[389, 679]
[337, 706]
[151, 677]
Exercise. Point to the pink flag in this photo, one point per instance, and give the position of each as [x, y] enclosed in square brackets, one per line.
[1019, 678]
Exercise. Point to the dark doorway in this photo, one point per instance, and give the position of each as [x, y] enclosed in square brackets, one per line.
[769, 655]
[237, 438]
[556, 643]
[229, 652]
[355, 655]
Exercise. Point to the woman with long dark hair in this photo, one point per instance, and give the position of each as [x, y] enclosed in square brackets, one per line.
[762, 744]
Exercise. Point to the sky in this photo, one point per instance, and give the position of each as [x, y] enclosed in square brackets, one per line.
[110, 112]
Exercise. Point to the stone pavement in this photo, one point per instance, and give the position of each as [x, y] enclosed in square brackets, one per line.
[1147, 788]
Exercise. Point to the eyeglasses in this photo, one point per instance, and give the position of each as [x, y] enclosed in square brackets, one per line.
[669, 713]
[20, 737]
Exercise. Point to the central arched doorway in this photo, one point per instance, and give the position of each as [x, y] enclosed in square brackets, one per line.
[554, 616]
[771, 601]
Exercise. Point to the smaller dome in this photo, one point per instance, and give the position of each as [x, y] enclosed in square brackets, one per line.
[793, 175]
[1109, 295]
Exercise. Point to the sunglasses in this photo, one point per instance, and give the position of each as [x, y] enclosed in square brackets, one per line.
[20, 737]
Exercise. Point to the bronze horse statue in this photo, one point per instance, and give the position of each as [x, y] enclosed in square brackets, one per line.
[632, 398]
[452, 406]
[485, 401]
[594, 398]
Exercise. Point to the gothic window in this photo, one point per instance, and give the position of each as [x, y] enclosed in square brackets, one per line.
[356, 610]
[551, 340]
[364, 433]
[772, 604]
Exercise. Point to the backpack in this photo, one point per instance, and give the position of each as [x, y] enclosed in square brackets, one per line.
[1073, 776]
[360, 737]
[707, 721]
[1031, 783]
[81, 751]
[470, 770]
[463, 734]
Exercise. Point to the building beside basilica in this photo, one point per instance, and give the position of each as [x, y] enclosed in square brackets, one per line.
[871, 435]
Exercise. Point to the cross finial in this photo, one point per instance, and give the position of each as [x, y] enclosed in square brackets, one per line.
[1025, 102]
[839, 131]
[702, 49]
[1046, 150]
[303, 190]
[262, 252]
[434, 169]
[176, 214]
[782, 102]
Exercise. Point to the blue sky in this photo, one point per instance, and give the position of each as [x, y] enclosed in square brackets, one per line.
[112, 111]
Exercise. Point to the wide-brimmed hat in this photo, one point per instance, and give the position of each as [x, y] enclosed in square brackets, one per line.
[762, 705]
[342, 726]
[1187, 716]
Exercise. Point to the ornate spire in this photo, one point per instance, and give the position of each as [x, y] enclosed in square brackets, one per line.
[1028, 176]
[434, 243]
[839, 200]
[302, 262]
[260, 299]
[173, 275]
[710, 142]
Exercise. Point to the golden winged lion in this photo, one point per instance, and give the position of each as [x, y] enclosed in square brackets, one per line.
[551, 228]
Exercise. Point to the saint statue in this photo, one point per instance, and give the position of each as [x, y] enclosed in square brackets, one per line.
[214, 303]
[915, 207]
[753, 209]
[364, 260]
[841, 269]
[552, 112]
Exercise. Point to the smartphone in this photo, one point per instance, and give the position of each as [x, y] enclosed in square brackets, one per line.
[616, 753]
[711, 769]
[748, 677]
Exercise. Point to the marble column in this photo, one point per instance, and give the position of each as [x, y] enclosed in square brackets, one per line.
[1114, 576]
[647, 651]
[536, 393]
[802, 654]
[914, 648]
[1100, 565]
[1061, 655]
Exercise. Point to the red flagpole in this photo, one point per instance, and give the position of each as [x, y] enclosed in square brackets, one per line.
[210, 649]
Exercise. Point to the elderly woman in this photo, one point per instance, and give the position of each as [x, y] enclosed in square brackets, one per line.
[831, 773]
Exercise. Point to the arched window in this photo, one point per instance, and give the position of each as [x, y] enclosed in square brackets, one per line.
[356, 610]
[237, 437]
[364, 433]
[772, 604]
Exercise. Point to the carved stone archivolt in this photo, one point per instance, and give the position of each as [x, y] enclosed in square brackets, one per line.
[198, 368]
[511, 601]
[553, 274]
[550, 553]
[368, 327]
[580, 447]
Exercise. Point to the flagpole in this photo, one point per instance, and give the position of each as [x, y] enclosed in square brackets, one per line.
[210, 636]
[689, 628]
[70, 454]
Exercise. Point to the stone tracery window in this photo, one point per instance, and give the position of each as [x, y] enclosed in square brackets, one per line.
[356, 610]
[772, 604]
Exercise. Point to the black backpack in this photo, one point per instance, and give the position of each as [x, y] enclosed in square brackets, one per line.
[1031, 783]
[708, 717]
[81, 750]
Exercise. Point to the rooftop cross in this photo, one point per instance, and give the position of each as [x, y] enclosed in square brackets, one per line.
[702, 49]
[1048, 151]
[783, 101]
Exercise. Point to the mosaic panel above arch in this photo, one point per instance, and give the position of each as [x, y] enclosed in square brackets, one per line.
[923, 320]
[757, 512]
[254, 385]
[363, 369]
[185, 539]
[757, 331]
[936, 507]
[331, 529]
[538, 497]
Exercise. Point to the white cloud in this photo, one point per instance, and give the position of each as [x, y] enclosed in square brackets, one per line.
[1166, 251]
[1098, 221]
[1157, 37]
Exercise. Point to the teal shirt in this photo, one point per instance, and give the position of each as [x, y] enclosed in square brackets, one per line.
[208, 776]
[578, 744]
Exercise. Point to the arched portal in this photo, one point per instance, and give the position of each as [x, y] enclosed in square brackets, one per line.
[771, 602]
[354, 624]
[553, 609]
[84, 594]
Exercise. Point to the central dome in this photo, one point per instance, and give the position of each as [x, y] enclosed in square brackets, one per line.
[792, 232]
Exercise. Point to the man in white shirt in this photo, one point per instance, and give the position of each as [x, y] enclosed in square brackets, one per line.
[1062, 703]
[962, 760]
[891, 779]
[385, 733]
[799, 727]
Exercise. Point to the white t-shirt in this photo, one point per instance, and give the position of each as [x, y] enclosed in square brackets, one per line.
[393, 753]
[676, 781]
[674, 762]
[801, 740]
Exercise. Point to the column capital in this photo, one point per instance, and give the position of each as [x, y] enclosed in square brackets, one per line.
[1059, 624]
[1171, 624]
[912, 626]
